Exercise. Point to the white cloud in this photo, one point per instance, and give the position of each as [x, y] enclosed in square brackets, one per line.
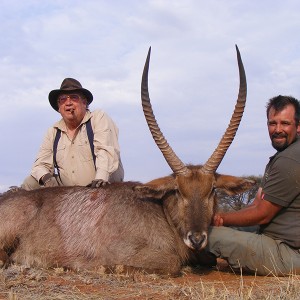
[193, 77]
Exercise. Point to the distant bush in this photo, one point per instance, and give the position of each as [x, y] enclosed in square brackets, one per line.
[236, 202]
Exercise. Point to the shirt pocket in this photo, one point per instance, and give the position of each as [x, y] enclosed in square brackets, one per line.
[84, 151]
[60, 154]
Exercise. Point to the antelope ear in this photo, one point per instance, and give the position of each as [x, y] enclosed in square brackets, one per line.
[156, 188]
[232, 185]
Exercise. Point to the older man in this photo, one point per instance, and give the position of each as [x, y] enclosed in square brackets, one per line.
[275, 248]
[83, 146]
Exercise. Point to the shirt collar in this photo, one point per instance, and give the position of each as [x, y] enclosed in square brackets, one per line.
[62, 125]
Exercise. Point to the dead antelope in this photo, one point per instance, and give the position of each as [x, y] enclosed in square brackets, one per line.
[157, 227]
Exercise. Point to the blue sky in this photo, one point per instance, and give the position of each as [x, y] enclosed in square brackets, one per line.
[193, 78]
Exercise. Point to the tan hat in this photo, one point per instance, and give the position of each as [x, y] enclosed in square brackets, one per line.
[68, 85]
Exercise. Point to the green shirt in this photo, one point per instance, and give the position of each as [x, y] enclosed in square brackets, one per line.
[281, 185]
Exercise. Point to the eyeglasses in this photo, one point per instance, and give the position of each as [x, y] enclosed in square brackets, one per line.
[63, 98]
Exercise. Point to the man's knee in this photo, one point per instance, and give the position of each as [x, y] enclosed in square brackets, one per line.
[229, 243]
[222, 233]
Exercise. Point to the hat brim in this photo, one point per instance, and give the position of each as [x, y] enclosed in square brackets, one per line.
[53, 95]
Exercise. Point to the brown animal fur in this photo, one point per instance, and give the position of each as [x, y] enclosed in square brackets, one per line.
[139, 226]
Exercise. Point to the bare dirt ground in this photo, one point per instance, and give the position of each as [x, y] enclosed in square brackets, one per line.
[18, 282]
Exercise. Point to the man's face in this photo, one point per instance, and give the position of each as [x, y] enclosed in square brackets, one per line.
[72, 107]
[282, 127]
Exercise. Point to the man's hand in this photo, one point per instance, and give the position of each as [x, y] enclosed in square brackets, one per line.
[49, 181]
[217, 220]
[98, 183]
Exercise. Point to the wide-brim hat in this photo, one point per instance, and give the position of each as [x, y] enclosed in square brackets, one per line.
[69, 85]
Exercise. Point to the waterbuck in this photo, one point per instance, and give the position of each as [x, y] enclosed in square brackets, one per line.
[158, 226]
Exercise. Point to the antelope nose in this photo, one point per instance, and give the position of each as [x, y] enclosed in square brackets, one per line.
[198, 240]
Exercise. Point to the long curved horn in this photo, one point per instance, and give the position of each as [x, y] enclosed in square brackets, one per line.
[214, 161]
[173, 161]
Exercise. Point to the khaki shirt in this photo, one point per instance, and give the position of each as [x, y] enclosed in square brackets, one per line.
[74, 157]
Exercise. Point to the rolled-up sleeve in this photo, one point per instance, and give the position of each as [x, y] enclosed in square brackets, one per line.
[107, 149]
[44, 159]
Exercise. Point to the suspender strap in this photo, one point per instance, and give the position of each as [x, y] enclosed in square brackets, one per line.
[57, 137]
[90, 134]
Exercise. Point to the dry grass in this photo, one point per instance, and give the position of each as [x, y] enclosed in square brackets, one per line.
[20, 283]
